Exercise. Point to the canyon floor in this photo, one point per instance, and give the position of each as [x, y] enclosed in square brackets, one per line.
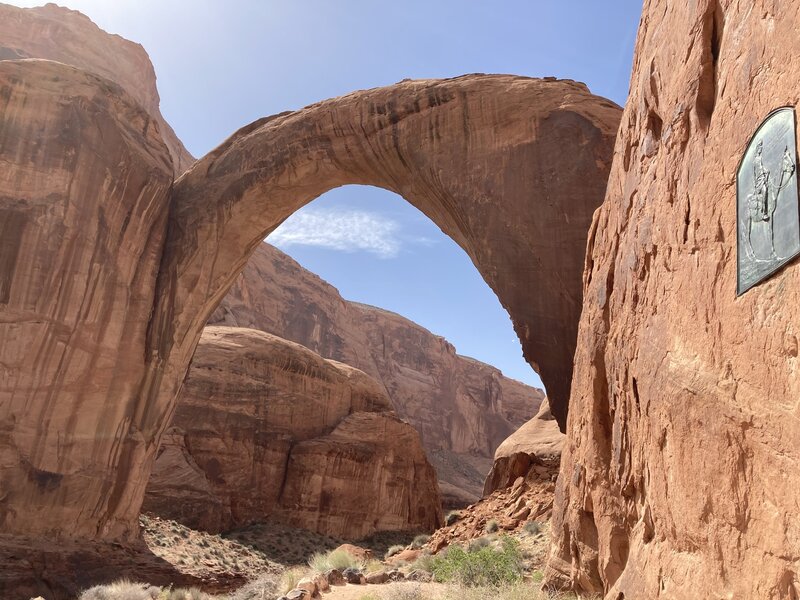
[266, 559]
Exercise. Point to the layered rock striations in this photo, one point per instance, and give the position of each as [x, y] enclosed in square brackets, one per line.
[538, 443]
[265, 428]
[84, 194]
[56, 33]
[462, 408]
[679, 478]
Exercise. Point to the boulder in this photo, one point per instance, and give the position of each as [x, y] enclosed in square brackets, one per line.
[266, 428]
[335, 577]
[532, 450]
[377, 577]
[354, 576]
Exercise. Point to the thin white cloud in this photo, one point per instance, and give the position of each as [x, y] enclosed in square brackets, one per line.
[345, 230]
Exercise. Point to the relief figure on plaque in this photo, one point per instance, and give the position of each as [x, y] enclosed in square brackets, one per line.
[763, 201]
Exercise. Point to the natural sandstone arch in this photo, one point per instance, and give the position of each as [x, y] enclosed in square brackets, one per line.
[511, 168]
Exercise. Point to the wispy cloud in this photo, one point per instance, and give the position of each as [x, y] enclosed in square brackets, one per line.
[345, 230]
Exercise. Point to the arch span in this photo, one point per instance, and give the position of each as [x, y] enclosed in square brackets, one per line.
[512, 168]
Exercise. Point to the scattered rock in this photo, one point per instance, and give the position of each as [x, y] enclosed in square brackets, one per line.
[377, 577]
[419, 575]
[307, 584]
[354, 576]
[335, 577]
[323, 584]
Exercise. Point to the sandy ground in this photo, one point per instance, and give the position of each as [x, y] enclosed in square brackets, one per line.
[432, 591]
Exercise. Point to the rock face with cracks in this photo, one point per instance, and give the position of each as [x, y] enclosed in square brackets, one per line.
[679, 478]
[56, 33]
[100, 313]
[267, 428]
[462, 408]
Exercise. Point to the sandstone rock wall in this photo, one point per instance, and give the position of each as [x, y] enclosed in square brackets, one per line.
[56, 33]
[84, 193]
[462, 408]
[679, 479]
[266, 428]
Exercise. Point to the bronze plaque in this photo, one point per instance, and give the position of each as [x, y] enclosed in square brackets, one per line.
[768, 223]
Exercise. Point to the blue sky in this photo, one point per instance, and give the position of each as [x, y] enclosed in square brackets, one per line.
[221, 65]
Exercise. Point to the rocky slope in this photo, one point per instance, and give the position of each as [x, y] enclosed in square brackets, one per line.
[679, 479]
[56, 33]
[462, 408]
[266, 428]
[538, 442]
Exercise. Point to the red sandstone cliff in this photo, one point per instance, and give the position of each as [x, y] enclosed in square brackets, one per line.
[56, 33]
[266, 428]
[462, 408]
[679, 478]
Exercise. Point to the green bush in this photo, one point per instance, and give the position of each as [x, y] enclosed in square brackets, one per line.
[492, 526]
[424, 562]
[452, 517]
[483, 567]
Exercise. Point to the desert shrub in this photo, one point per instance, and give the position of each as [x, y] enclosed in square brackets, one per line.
[420, 541]
[263, 588]
[373, 566]
[182, 594]
[492, 526]
[291, 577]
[483, 567]
[452, 517]
[424, 562]
[335, 559]
[533, 528]
[481, 542]
[121, 590]
[406, 592]
[396, 549]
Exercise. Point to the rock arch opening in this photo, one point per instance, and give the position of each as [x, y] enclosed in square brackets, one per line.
[511, 168]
